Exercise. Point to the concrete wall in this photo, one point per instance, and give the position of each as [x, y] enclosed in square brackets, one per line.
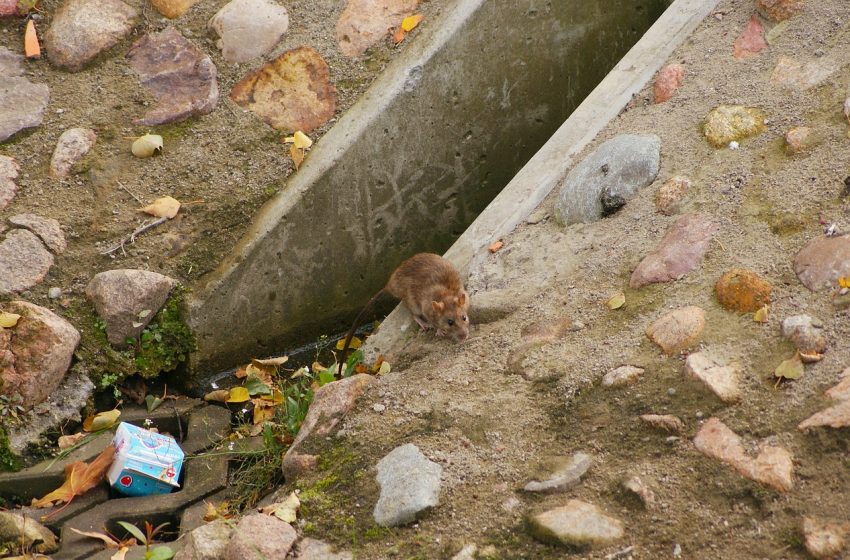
[409, 167]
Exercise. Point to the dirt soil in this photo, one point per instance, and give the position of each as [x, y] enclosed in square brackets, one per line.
[490, 426]
[229, 161]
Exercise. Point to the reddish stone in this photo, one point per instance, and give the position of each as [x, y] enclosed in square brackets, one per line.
[742, 290]
[667, 81]
[678, 253]
[779, 10]
[35, 353]
[751, 41]
[678, 329]
[823, 261]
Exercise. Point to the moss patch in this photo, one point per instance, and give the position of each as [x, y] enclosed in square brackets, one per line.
[166, 342]
[9, 462]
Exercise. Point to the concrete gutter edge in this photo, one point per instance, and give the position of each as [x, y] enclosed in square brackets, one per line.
[551, 163]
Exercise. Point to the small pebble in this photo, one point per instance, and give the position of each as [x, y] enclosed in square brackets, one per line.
[54, 292]
[671, 391]
[378, 407]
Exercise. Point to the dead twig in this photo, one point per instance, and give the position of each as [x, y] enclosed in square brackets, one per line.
[128, 191]
[132, 236]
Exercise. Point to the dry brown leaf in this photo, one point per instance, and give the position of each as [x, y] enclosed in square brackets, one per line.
[121, 554]
[495, 246]
[279, 361]
[285, 510]
[164, 207]
[70, 441]
[297, 155]
[292, 92]
[107, 540]
[79, 478]
[31, 47]
[220, 395]
[263, 410]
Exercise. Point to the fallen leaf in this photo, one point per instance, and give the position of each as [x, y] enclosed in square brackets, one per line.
[844, 282]
[275, 397]
[384, 369]
[285, 510]
[133, 530]
[353, 345]
[409, 23]
[256, 386]
[399, 35]
[292, 92]
[792, 368]
[279, 361]
[164, 207]
[219, 395]
[107, 539]
[263, 410]
[122, 552]
[146, 146]
[70, 441]
[79, 478]
[761, 315]
[264, 373]
[31, 47]
[160, 553]
[101, 420]
[153, 402]
[299, 140]
[810, 357]
[616, 301]
[495, 246]
[220, 511]
[240, 373]
[238, 395]
[297, 156]
[8, 320]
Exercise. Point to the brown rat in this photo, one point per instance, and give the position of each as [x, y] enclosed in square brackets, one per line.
[430, 288]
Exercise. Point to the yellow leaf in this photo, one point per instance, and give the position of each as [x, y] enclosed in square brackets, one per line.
[792, 368]
[354, 345]
[616, 301]
[410, 23]
[165, 207]
[761, 315]
[384, 369]
[275, 398]
[844, 282]
[8, 320]
[299, 140]
[238, 395]
[285, 510]
[101, 420]
[263, 410]
[297, 156]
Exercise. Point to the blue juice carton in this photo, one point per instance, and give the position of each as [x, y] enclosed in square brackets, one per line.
[145, 462]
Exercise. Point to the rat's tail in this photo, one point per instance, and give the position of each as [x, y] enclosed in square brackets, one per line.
[354, 328]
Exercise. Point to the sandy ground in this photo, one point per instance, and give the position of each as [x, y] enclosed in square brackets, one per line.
[490, 429]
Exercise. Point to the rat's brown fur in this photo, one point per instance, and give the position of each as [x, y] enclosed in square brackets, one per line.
[430, 288]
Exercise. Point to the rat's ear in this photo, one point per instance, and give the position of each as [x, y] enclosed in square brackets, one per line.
[438, 306]
[461, 299]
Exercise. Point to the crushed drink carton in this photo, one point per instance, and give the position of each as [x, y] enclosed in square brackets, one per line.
[145, 462]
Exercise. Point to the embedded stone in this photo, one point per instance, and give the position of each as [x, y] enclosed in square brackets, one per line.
[24, 261]
[312, 549]
[678, 329]
[260, 537]
[801, 76]
[798, 140]
[638, 488]
[805, 332]
[19, 531]
[666, 422]
[8, 174]
[824, 539]
[173, 8]
[722, 380]
[127, 300]
[728, 123]
[616, 170]
[841, 391]
[823, 261]
[410, 485]
[563, 473]
[177, 73]
[622, 375]
[837, 416]
[22, 105]
[678, 253]
[35, 353]
[47, 229]
[11, 63]
[751, 41]
[248, 28]
[330, 404]
[292, 92]
[669, 196]
[742, 290]
[577, 524]
[667, 81]
[82, 29]
[363, 23]
[72, 145]
[779, 10]
[772, 467]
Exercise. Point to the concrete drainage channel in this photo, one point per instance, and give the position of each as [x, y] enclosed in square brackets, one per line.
[201, 427]
[241, 307]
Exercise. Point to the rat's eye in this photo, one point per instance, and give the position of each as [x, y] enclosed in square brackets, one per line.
[451, 322]
[464, 318]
